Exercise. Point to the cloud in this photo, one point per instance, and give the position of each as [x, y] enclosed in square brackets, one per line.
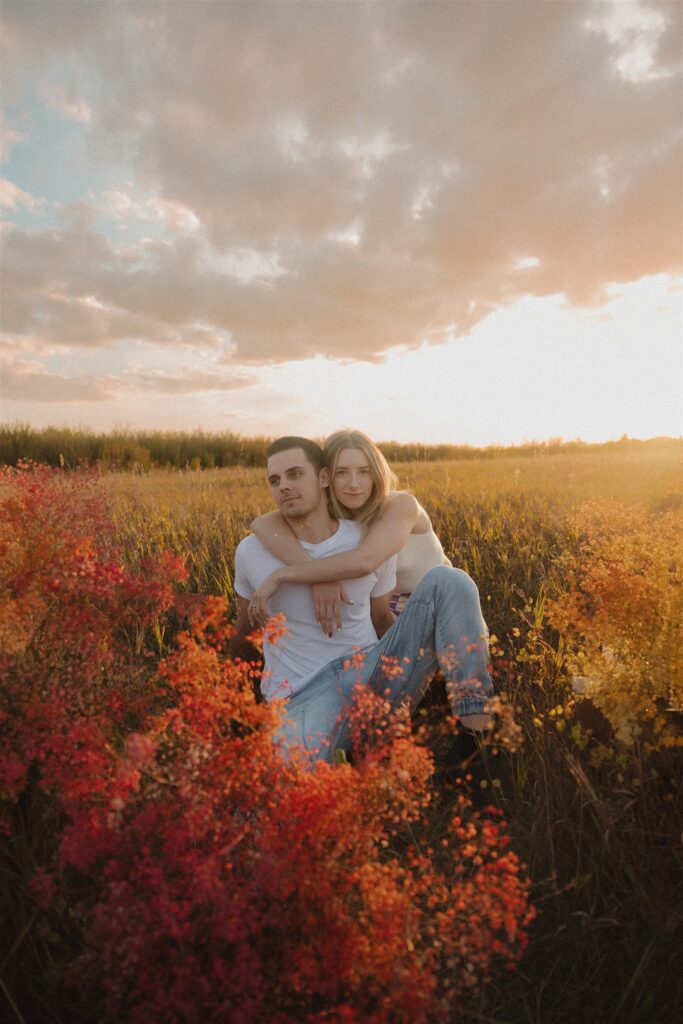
[70, 107]
[22, 379]
[191, 382]
[32, 33]
[70, 286]
[634, 30]
[73, 288]
[8, 137]
[12, 197]
[123, 207]
[406, 169]
[28, 381]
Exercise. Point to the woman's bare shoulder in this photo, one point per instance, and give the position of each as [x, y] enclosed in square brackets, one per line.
[403, 497]
[407, 503]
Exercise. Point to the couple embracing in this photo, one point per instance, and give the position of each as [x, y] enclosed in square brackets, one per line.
[354, 567]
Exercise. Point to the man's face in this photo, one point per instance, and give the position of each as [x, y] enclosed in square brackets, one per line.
[294, 483]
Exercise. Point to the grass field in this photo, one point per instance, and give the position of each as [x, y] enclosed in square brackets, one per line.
[578, 559]
[505, 522]
[597, 823]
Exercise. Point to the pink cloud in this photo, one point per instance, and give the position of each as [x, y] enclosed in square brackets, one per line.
[394, 162]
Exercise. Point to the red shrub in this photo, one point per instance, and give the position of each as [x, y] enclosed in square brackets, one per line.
[211, 881]
[68, 613]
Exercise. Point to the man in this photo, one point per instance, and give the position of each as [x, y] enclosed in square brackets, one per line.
[441, 626]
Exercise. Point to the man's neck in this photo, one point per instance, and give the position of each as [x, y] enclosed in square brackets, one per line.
[315, 527]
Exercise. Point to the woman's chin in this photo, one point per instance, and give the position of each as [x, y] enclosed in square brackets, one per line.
[353, 504]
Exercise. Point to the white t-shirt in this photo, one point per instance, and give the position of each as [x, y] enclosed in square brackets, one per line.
[296, 656]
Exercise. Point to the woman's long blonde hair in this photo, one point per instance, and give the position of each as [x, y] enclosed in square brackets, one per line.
[383, 478]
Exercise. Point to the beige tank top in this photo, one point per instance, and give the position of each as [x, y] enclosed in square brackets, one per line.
[420, 553]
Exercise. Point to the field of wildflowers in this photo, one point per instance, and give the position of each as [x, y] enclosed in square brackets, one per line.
[159, 863]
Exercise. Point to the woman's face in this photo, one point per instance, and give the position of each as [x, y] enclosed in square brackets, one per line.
[352, 479]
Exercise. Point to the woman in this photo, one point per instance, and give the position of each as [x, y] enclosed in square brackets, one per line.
[393, 522]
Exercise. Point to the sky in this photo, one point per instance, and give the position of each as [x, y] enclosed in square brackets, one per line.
[453, 221]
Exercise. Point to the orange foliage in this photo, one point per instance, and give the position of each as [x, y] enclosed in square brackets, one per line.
[210, 880]
[623, 614]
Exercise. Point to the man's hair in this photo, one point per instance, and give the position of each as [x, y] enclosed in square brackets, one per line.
[312, 449]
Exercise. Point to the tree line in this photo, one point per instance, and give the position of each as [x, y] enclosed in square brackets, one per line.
[144, 450]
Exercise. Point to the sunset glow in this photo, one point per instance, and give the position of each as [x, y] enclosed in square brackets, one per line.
[445, 222]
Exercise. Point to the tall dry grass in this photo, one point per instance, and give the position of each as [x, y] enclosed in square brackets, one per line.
[597, 819]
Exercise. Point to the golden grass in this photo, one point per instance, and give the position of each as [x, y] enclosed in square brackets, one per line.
[597, 820]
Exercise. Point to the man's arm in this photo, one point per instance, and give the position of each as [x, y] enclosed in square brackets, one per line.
[381, 614]
[242, 627]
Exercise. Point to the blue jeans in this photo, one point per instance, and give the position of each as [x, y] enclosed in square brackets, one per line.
[441, 627]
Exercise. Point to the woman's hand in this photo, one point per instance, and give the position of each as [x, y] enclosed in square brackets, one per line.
[258, 606]
[327, 601]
